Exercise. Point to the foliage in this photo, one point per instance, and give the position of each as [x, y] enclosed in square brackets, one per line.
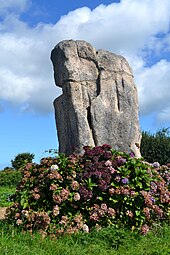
[101, 188]
[6, 169]
[5, 196]
[22, 159]
[156, 147]
[9, 178]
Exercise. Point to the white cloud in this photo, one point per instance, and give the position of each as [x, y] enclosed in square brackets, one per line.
[13, 5]
[120, 27]
[132, 28]
[164, 116]
[160, 44]
[154, 84]
[26, 75]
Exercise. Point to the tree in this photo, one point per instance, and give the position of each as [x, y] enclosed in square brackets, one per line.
[156, 147]
[22, 159]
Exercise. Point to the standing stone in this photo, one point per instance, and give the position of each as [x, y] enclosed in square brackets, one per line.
[99, 102]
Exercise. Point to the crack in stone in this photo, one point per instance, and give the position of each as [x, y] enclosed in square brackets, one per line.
[104, 79]
[89, 120]
[123, 84]
[117, 95]
[98, 87]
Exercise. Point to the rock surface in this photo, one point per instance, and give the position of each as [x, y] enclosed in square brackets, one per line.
[99, 102]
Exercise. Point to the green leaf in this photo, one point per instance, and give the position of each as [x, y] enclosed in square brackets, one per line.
[25, 205]
[137, 213]
[100, 198]
[139, 184]
[116, 185]
[90, 184]
[22, 201]
[113, 200]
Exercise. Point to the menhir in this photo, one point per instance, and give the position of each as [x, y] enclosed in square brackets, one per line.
[99, 102]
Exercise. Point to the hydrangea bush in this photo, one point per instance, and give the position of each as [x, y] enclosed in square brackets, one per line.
[100, 188]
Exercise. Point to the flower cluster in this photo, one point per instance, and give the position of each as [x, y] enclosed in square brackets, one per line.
[101, 213]
[99, 188]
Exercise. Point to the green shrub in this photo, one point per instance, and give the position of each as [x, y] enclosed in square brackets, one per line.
[22, 159]
[156, 147]
[10, 178]
[101, 188]
[5, 195]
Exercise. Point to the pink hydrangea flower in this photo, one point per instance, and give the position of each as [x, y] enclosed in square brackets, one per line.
[104, 207]
[108, 163]
[75, 185]
[111, 211]
[76, 196]
[56, 210]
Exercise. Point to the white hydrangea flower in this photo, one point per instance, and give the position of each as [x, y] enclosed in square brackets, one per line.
[85, 228]
[54, 167]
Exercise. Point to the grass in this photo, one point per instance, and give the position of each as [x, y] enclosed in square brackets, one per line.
[107, 241]
[5, 193]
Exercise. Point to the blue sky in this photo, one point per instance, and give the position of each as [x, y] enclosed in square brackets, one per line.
[138, 30]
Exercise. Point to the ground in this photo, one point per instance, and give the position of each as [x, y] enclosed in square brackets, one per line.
[2, 212]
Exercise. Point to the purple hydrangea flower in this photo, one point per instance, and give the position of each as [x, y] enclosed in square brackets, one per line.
[132, 155]
[121, 160]
[106, 147]
[156, 165]
[153, 199]
[125, 180]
